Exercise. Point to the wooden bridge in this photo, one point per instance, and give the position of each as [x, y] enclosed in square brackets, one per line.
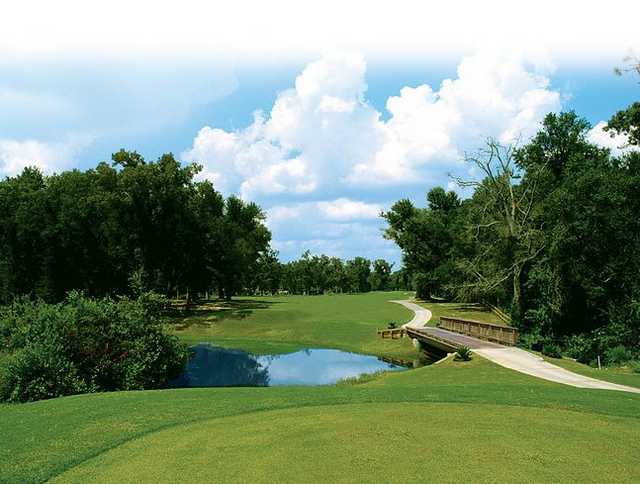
[454, 333]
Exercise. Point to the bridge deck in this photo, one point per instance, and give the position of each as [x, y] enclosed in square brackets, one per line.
[455, 340]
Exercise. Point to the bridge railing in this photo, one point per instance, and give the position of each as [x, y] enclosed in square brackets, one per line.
[497, 333]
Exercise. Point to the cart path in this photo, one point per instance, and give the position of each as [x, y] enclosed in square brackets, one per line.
[508, 356]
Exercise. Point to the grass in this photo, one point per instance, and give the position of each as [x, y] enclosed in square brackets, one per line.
[622, 376]
[454, 421]
[460, 310]
[473, 421]
[281, 324]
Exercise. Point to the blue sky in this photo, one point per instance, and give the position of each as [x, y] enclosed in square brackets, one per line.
[346, 127]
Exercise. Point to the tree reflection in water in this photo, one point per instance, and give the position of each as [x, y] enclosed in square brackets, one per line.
[212, 366]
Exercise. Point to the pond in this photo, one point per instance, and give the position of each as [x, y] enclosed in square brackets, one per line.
[213, 366]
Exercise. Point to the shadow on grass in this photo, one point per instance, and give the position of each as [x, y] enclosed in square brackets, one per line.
[205, 313]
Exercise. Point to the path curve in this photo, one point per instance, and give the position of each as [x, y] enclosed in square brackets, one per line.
[421, 315]
[516, 358]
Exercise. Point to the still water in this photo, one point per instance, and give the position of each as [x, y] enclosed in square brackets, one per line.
[213, 366]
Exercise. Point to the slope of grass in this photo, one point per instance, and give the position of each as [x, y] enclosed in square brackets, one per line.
[460, 310]
[622, 376]
[280, 324]
[492, 423]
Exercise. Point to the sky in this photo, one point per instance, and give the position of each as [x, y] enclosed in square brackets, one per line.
[323, 114]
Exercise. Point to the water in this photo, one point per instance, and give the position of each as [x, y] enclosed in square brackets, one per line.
[213, 366]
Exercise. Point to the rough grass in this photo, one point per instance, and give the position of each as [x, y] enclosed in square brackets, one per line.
[281, 324]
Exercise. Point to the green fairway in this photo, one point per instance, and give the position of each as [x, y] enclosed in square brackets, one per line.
[457, 419]
[279, 324]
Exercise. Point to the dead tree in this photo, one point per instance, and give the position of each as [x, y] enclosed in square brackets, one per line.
[506, 205]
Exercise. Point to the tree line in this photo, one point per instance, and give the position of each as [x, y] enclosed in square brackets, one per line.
[131, 223]
[551, 233]
[320, 274]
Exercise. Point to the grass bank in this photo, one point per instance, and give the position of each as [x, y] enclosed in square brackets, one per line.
[622, 376]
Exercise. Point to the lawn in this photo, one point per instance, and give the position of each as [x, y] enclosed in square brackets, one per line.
[622, 376]
[451, 422]
[280, 324]
[455, 421]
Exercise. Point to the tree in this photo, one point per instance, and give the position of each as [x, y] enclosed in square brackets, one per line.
[502, 213]
[429, 239]
[380, 279]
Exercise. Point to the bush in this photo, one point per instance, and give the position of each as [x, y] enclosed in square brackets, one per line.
[618, 355]
[635, 366]
[552, 349]
[392, 325]
[86, 345]
[581, 347]
[463, 354]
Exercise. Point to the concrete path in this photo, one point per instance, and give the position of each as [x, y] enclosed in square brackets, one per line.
[510, 357]
[421, 315]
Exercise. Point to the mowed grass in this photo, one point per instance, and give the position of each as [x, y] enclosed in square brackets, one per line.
[454, 421]
[451, 422]
[280, 324]
[475, 312]
[622, 376]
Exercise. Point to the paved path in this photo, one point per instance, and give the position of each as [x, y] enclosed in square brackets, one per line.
[508, 356]
[421, 315]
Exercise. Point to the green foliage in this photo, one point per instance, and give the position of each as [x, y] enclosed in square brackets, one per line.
[429, 239]
[124, 229]
[86, 345]
[618, 355]
[551, 234]
[627, 122]
[463, 354]
[392, 325]
[552, 349]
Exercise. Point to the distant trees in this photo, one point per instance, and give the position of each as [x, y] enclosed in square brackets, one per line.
[95, 230]
[320, 274]
[551, 233]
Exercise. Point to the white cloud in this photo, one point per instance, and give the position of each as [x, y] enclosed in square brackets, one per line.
[49, 157]
[323, 134]
[618, 143]
[345, 209]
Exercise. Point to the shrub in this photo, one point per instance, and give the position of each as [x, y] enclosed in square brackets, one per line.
[87, 345]
[552, 349]
[635, 366]
[392, 325]
[618, 355]
[463, 354]
[581, 347]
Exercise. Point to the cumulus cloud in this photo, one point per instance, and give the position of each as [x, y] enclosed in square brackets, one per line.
[618, 143]
[15, 155]
[345, 209]
[322, 133]
[322, 143]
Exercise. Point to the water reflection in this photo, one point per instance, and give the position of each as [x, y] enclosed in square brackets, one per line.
[212, 366]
